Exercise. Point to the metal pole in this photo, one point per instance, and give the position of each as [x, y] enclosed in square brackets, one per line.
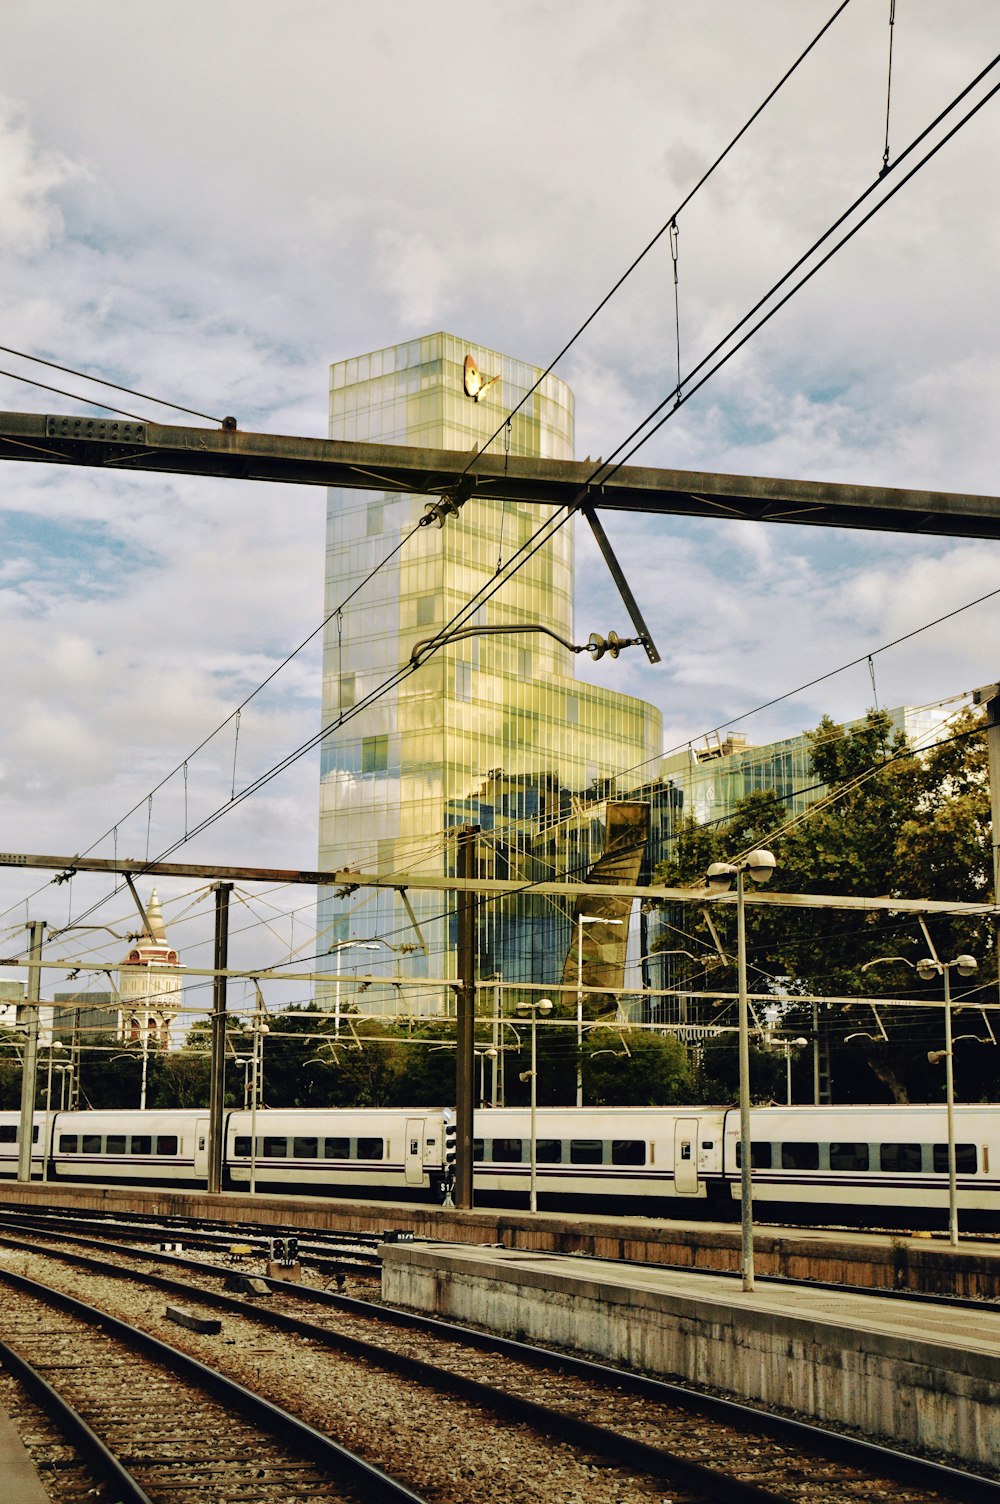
[815, 1041]
[788, 1075]
[218, 1064]
[36, 928]
[465, 1030]
[989, 696]
[497, 1058]
[336, 999]
[950, 1098]
[746, 1188]
[254, 1072]
[533, 1192]
[579, 1011]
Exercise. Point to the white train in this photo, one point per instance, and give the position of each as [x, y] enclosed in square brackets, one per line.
[884, 1165]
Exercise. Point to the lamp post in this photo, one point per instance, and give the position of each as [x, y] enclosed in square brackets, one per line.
[927, 968]
[531, 1007]
[788, 1045]
[583, 919]
[54, 1044]
[256, 1082]
[489, 1053]
[760, 865]
[336, 949]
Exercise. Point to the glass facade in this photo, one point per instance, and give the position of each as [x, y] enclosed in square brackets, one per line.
[492, 731]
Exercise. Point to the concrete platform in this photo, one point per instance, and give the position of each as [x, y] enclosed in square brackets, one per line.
[868, 1260]
[19, 1482]
[898, 1370]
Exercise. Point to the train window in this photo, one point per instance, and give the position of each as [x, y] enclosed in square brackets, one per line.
[34, 1134]
[241, 1146]
[166, 1143]
[68, 1143]
[966, 1162]
[848, 1156]
[760, 1156]
[275, 1148]
[140, 1143]
[800, 1156]
[305, 1148]
[336, 1148]
[477, 1150]
[628, 1151]
[115, 1143]
[369, 1148]
[91, 1143]
[507, 1151]
[585, 1151]
[548, 1151]
[907, 1157]
[8, 1133]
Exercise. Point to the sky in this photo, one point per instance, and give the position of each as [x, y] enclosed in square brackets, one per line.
[211, 203]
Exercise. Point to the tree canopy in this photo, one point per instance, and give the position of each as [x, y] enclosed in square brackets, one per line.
[892, 822]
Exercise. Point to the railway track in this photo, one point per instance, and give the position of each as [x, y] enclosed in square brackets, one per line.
[154, 1422]
[704, 1447]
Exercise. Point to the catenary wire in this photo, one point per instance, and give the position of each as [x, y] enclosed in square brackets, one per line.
[99, 381]
[442, 640]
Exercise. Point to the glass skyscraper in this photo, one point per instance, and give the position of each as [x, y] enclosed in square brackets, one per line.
[491, 731]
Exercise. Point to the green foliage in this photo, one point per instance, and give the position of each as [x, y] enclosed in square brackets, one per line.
[895, 823]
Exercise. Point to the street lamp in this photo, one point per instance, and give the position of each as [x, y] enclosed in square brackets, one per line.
[336, 949]
[927, 968]
[489, 1053]
[760, 865]
[54, 1044]
[532, 1008]
[788, 1045]
[583, 919]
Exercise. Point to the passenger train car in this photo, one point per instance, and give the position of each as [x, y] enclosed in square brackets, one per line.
[882, 1165]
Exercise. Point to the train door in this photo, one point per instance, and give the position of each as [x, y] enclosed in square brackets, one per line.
[413, 1156]
[686, 1157]
[201, 1149]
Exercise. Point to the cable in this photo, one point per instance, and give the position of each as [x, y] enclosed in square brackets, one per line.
[666, 226]
[680, 399]
[442, 639]
[100, 381]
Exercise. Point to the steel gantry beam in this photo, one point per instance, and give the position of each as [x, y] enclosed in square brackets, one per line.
[122, 445]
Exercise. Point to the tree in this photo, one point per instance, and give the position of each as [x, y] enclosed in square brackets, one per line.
[893, 822]
[634, 1068]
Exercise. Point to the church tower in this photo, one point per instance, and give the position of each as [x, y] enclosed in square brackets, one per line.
[149, 984]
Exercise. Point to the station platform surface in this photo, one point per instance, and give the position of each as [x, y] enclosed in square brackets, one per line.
[19, 1481]
[899, 1370]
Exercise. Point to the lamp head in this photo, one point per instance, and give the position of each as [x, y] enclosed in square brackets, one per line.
[800, 1043]
[760, 865]
[719, 877]
[935, 1057]
[966, 965]
[927, 969]
[545, 1005]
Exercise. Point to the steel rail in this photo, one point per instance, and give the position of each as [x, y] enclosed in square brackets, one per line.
[956, 1483]
[345, 1468]
[71, 1423]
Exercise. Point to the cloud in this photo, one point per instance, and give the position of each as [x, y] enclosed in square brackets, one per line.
[269, 192]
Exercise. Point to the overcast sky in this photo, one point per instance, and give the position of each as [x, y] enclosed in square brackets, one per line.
[211, 202]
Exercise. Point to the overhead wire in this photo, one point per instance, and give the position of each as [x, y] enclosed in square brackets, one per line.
[99, 381]
[442, 639]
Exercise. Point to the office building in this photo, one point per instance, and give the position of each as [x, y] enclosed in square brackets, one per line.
[493, 730]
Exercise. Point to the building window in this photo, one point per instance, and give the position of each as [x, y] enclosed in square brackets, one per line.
[426, 610]
[463, 681]
[348, 691]
[374, 754]
[376, 518]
